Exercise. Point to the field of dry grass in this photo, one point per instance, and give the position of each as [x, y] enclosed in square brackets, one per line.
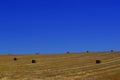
[61, 67]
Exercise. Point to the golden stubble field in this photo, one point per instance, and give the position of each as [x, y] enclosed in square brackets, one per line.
[75, 66]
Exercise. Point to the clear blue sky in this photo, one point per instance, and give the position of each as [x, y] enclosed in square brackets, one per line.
[57, 26]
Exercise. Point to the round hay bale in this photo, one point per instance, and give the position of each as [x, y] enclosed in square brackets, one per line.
[98, 61]
[67, 52]
[36, 53]
[87, 51]
[33, 61]
[112, 51]
[15, 59]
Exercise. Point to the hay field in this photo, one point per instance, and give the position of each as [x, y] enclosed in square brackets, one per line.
[74, 66]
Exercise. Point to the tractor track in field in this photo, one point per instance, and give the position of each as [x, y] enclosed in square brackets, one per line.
[106, 63]
[94, 72]
[109, 61]
[89, 70]
[84, 74]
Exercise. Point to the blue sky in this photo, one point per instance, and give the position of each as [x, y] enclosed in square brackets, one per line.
[57, 26]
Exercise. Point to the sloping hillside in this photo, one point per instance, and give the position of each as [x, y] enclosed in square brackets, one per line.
[61, 66]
